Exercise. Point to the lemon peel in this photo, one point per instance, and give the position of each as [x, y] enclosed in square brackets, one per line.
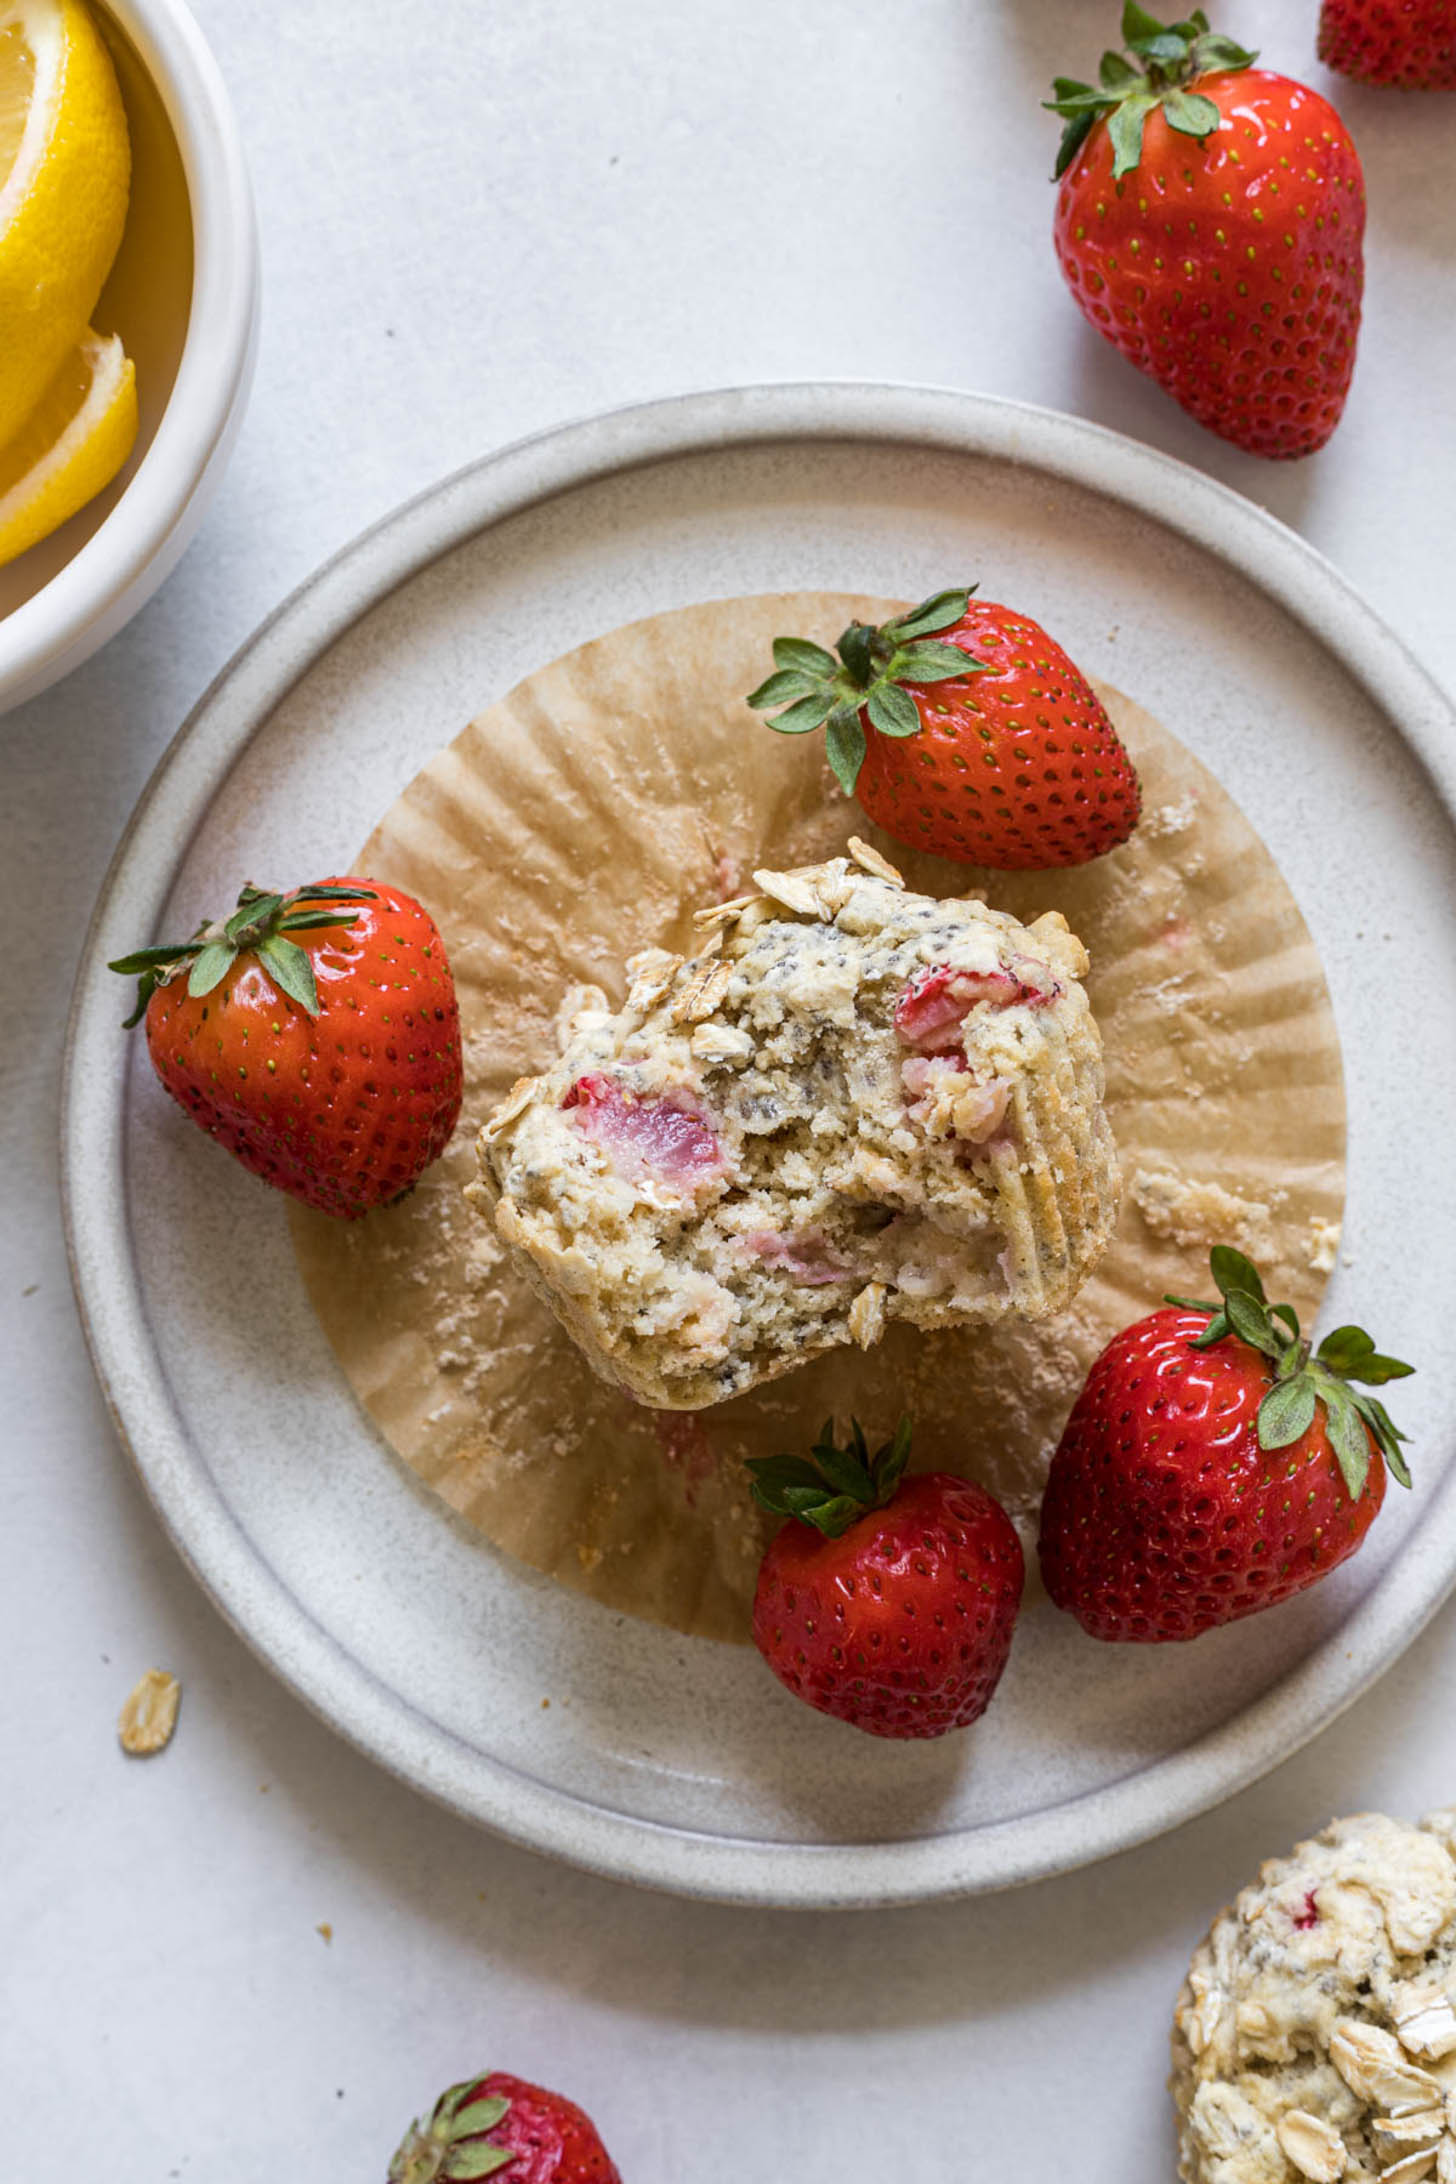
[65, 178]
[73, 443]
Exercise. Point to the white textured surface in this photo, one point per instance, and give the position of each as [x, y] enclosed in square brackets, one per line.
[553, 210]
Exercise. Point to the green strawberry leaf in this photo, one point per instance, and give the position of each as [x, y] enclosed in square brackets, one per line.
[775, 1476]
[803, 718]
[1287, 1412]
[892, 710]
[146, 987]
[146, 959]
[932, 663]
[1290, 1317]
[831, 1514]
[1166, 50]
[291, 970]
[448, 2102]
[1249, 1318]
[846, 1469]
[889, 1465]
[306, 921]
[1074, 136]
[1190, 113]
[1231, 1270]
[1125, 128]
[1213, 53]
[1374, 1370]
[941, 611]
[1349, 1440]
[1387, 1433]
[478, 2116]
[798, 655]
[253, 909]
[1071, 97]
[1138, 24]
[333, 894]
[210, 967]
[785, 683]
[1116, 74]
[1344, 1347]
[845, 746]
[464, 2164]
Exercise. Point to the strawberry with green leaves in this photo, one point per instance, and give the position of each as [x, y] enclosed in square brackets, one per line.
[1210, 222]
[963, 730]
[885, 1601]
[500, 2126]
[1215, 1464]
[1408, 43]
[315, 1035]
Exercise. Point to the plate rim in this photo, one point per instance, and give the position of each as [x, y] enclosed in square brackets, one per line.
[274, 1622]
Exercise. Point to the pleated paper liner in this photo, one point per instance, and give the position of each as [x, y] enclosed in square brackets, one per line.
[587, 815]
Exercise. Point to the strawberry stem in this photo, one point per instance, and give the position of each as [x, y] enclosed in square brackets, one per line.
[832, 1486]
[258, 926]
[1305, 1382]
[873, 670]
[452, 2145]
[1167, 58]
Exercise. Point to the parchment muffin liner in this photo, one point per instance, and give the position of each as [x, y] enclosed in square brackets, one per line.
[587, 815]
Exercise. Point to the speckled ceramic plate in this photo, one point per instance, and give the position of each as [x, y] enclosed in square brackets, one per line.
[671, 1761]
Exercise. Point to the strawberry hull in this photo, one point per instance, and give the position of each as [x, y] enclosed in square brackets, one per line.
[499, 2125]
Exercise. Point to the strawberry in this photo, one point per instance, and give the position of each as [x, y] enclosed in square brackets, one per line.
[644, 1138]
[1212, 1466]
[964, 730]
[887, 1604]
[497, 2125]
[1209, 224]
[315, 1035]
[1411, 43]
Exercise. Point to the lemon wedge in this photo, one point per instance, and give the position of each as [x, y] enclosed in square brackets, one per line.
[73, 443]
[65, 175]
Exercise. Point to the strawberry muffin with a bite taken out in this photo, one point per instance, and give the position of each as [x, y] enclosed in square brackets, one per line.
[853, 1105]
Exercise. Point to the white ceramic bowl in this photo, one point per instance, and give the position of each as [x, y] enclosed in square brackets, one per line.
[183, 295]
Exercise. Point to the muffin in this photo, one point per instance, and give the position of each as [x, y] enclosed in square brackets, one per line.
[1315, 2036]
[851, 1105]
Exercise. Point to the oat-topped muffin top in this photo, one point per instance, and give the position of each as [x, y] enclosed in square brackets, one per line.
[853, 1103]
[1315, 2036]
